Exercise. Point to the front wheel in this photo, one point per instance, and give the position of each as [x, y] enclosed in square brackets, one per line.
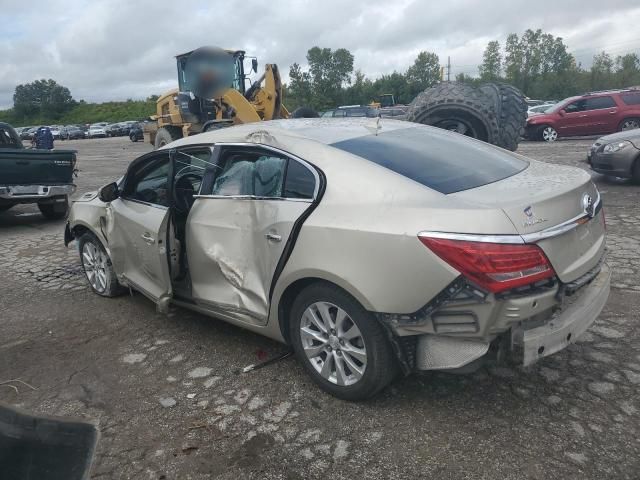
[97, 267]
[340, 344]
[548, 134]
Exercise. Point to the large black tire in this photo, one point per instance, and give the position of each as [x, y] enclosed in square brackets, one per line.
[304, 112]
[381, 365]
[166, 135]
[511, 110]
[95, 261]
[457, 107]
[54, 211]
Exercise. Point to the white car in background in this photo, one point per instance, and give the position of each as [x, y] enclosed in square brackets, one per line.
[97, 130]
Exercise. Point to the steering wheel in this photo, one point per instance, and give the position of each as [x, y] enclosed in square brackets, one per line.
[183, 191]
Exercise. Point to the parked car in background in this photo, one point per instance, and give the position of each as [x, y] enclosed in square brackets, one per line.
[55, 131]
[617, 155]
[397, 113]
[352, 111]
[595, 113]
[537, 109]
[97, 130]
[71, 132]
[114, 130]
[28, 133]
[44, 177]
[136, 132]
[454, 250]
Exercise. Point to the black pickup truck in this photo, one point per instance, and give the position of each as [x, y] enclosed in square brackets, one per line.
[28, 175]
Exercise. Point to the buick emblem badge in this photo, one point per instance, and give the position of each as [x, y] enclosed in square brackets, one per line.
[587, 205]
[531, 218]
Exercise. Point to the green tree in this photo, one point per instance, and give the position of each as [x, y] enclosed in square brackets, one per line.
[602, 71]
[627, 70]
[45, 98]
[491, 67]
[424, 73]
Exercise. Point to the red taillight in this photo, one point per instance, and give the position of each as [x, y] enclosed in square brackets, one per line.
[494, 266]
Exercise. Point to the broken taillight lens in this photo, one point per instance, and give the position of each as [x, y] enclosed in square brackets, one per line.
[493, 266]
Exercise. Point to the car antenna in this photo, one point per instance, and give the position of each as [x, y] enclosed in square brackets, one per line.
[375, 129]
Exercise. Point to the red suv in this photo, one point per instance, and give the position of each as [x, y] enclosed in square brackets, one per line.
[594, 113]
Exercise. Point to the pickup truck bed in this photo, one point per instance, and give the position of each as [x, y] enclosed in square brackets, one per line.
[44, 177]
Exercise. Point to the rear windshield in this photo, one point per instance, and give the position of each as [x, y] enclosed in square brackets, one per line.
[440, 160]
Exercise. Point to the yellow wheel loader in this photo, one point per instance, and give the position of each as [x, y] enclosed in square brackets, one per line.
[211, 94]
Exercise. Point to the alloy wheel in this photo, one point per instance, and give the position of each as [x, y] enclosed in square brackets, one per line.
[549, 134]
[95, 266]
[333, 343]
[630, 124]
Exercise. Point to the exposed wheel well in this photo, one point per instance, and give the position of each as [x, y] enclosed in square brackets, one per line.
[79, 230]
[288, 297]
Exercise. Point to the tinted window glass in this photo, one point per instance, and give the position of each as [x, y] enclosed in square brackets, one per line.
[149, 184]
[250, 172]
[598, 103]
[300, 182]
[440, 160]
[575, 106]
[339, 113]
[631, 98]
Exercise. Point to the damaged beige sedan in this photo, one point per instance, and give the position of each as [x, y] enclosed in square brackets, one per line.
[371, 249]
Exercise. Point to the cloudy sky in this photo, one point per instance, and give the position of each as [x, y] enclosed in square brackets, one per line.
[118, 49]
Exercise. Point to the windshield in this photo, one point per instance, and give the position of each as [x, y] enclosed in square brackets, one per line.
[557, 106]
[440, 160]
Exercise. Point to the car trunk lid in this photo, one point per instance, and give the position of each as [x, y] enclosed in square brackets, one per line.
[36, 167]
[546, 204]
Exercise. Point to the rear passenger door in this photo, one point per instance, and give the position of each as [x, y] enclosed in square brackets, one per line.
[601, 113]
[240, 225]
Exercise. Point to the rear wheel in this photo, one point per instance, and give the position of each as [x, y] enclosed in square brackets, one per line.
[166, 135]
[340, 344]
[547, 133]
[97, 267]
[629, 124]
[54, 211]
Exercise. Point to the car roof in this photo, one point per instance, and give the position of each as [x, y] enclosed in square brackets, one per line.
[322, 130]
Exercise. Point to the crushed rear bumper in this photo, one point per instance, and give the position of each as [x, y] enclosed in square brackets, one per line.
[566, 326]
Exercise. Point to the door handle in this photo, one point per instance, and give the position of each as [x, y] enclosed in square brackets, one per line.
[148, 238]
[613, 112]
[274, 237]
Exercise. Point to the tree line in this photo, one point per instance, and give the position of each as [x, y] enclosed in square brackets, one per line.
[536, 62]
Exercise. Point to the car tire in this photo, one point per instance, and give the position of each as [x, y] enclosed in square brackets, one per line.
[457, 107]
[166, 135]
[511, 109]
[629, 124]
[97, 267]
[54, 211]
[353, 359]
[133, 138]
[546, 133]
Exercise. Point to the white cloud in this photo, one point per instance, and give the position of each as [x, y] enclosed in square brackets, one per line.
[118, 49]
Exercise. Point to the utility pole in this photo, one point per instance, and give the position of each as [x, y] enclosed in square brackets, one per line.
[448, 69]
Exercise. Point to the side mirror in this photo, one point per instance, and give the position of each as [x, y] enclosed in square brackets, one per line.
[109, 192]
[254, 65]
[562, 112]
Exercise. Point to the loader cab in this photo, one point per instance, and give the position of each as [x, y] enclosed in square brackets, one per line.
[203, 75]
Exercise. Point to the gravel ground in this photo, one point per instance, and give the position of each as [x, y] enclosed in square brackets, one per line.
[170, 402]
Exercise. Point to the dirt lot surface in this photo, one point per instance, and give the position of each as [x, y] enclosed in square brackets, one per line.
[170, 402]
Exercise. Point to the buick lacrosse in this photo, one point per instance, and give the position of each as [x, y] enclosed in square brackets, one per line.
[372, 247]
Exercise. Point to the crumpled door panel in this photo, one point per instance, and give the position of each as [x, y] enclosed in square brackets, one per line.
[231, 260]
